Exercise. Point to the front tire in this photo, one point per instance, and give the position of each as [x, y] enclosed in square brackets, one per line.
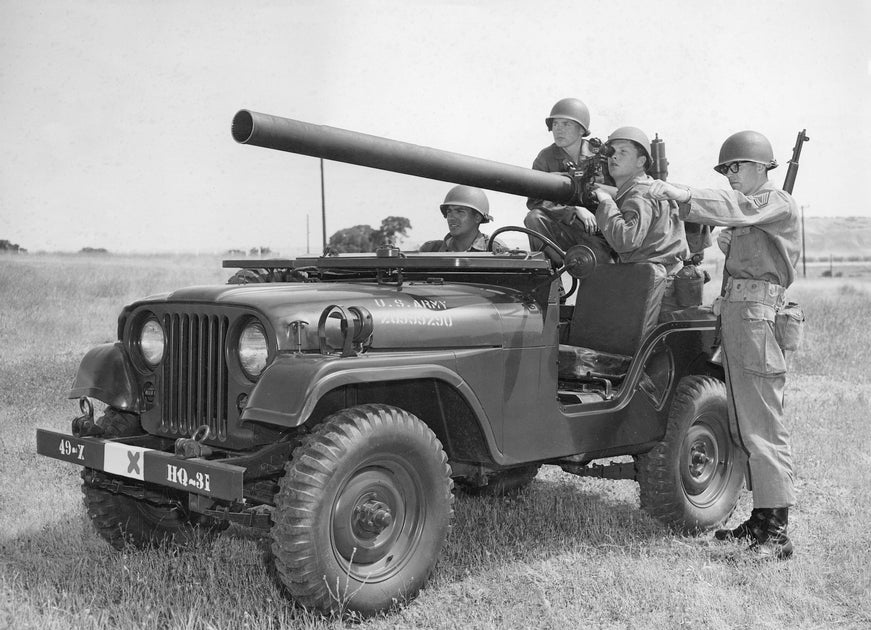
[362, 512]
[158, 519]
[692, 479]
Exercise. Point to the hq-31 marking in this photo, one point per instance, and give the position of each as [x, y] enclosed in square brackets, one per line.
[177, 475]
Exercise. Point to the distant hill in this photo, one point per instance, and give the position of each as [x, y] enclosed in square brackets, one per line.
[837, 236]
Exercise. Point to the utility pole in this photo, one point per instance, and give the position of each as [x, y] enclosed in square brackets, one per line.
[323, 210]
[803, 264]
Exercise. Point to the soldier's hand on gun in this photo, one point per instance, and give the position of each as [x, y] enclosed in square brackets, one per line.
[587, 219]
[601, 195]
[608, 191]
[658, 189]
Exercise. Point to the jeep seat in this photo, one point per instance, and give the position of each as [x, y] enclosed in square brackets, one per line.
[615, 308]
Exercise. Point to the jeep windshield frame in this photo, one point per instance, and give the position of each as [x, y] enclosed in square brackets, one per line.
[410, 261]
[529, 273]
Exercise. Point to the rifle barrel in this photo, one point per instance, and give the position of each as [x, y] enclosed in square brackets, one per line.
[792, 169]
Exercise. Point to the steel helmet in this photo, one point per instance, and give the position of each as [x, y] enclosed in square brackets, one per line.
[468, 197]
[635, 135]
[746, 146]
[572, 109]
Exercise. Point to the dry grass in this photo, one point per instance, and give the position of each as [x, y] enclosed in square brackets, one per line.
[566, 553]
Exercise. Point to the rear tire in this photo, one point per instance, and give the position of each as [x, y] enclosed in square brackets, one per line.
[692, 479]
[363, 511]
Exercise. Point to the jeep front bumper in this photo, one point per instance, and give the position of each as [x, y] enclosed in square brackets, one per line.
[200, 476]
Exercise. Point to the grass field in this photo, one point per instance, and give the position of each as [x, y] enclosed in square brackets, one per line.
[566, 553]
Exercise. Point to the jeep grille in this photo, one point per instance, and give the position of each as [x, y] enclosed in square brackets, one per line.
[194, 389]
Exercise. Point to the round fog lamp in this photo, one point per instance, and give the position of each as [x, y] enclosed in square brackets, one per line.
[152, 342]
[253, 350]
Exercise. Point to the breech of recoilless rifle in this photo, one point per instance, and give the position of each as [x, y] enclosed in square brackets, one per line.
[341, 145]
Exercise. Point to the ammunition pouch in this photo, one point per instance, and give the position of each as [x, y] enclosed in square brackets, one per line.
[688, 290]
[688, 285]
[789, 326]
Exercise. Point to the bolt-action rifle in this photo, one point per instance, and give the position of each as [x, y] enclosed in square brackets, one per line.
[792, 169]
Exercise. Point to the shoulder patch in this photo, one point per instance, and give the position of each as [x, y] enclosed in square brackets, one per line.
[761, 199]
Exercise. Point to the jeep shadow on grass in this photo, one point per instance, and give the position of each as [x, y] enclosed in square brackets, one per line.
[339, 403]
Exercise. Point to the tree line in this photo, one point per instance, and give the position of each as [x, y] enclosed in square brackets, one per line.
[365, 238]
[10, 247]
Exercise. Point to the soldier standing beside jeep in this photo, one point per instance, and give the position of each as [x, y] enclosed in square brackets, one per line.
[464, 208]
[569, 122]
[760, 263]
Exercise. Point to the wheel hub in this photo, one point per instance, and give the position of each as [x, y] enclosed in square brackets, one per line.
[701, 459]
[373, 516]
[698, 459]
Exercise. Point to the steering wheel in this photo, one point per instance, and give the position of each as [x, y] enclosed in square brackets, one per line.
[579, 261]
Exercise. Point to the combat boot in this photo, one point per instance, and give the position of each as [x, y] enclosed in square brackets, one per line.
[774, 543]
[751, 528]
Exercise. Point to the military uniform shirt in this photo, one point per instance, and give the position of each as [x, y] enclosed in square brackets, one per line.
[478, 245]
[765, 236]
[554, 159]
[641, 229]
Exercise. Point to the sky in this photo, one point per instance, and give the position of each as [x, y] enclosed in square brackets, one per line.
[115, 114]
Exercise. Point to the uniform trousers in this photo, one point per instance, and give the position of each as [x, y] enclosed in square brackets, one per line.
[755, 379]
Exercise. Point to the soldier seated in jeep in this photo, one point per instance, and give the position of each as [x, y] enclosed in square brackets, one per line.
[465, 208]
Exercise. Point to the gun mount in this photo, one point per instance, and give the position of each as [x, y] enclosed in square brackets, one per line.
[341, 145]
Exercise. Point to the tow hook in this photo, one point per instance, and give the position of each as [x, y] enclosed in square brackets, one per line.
[84, 424]
[188, 448]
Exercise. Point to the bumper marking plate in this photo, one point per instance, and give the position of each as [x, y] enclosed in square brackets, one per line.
[200, 476]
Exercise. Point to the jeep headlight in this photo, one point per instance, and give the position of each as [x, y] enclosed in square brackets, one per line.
[152, 342]
[253, 350]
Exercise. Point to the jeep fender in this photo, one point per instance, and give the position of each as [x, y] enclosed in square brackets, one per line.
[292, 385]
[105, 373]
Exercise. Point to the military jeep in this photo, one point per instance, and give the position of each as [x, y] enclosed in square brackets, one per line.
[340, 404]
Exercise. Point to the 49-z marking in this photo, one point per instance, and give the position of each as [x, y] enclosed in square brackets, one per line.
[67, 449]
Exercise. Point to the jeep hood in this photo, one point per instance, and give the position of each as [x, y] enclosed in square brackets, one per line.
[415, 316]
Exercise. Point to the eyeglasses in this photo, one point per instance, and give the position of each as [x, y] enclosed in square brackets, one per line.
[734, 167]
